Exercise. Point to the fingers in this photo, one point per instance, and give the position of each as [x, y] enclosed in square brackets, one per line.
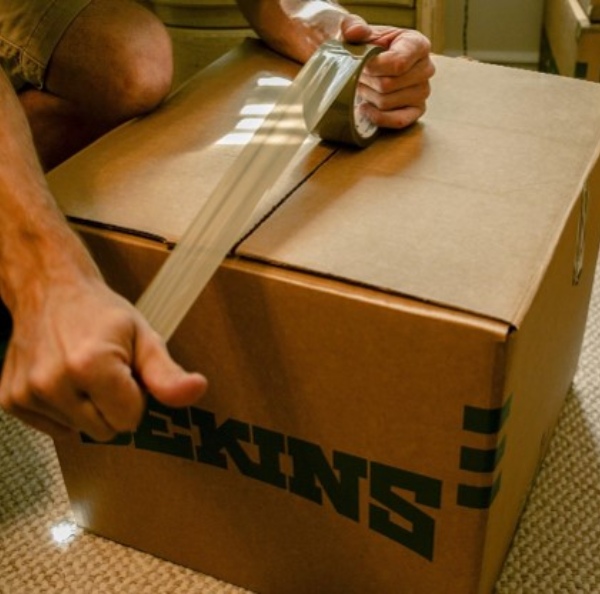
[105, 383]
[162, 377]
[95, 390]
[395, 83]
[55, 415]
[394, 98]
[47, 398]
[405, 50]
[397, 118]
[355, 29]
[386, 73]
[388, 106]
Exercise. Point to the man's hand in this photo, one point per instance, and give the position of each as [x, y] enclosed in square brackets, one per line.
[81, 358]
[396, 82]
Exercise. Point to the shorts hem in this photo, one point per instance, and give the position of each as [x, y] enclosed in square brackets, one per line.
[35, 48]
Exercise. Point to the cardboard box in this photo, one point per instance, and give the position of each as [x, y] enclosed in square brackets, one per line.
[389, 344]
[592, 9]
[570, 42]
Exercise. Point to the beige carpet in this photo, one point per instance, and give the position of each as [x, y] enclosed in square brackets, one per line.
[556, 549]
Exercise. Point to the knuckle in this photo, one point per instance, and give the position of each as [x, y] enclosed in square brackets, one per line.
[130, 416]
[124, 427]
[102, 434]
[7, 404]
[430, 69]
[399, 66]
[42, 382]
[385, 85]
[425, 45]
[424, 90]
[421, 42]
[16, 400]
[414, 115]
[80, 364]
[127, 421]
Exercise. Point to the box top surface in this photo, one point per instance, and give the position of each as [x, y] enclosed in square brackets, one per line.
[151, 175]
[463, 209]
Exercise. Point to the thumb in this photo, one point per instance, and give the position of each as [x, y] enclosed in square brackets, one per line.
[167, 381]
[355, 29]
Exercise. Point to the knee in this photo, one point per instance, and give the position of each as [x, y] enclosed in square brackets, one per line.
[141, 73]
[115, 62]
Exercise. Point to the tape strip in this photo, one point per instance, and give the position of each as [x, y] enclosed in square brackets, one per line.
[321, 98]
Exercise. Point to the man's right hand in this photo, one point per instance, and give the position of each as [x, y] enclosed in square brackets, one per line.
[81, 358]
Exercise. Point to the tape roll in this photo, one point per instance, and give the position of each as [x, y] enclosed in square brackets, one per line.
[344, 121]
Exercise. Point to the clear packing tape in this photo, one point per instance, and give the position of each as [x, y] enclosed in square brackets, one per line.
[321, 99]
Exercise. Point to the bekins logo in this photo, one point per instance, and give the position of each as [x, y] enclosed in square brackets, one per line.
[262, 454]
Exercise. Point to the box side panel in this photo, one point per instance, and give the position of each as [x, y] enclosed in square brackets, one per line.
[560, 27]
[589, 54]
[340, 446]
[127, 263]
[571, 44]
[592, 9]
[543, 359]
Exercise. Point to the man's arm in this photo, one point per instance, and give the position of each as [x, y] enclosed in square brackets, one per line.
[294, 28]
[395, 83]
[80, 356]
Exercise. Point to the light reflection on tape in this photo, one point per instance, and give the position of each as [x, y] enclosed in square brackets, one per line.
[322, 99]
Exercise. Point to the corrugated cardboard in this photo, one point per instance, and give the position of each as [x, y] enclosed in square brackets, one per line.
[570, 42]
[591, 8]
[389, 345]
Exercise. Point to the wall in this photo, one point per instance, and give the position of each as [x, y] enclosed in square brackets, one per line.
[501, 31]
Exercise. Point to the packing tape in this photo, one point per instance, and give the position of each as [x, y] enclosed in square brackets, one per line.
[344, 121]
[322, 98]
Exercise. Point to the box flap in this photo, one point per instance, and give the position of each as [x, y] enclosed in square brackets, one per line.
[463, 209]
[152, 175]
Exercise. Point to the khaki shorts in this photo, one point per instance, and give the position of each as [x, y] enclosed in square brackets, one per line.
[29, 33]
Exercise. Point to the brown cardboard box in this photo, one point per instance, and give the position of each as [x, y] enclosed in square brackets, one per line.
[389, 345]
[570, 42]
[592, 9]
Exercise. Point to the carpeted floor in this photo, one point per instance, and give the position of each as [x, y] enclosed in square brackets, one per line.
[556, 549]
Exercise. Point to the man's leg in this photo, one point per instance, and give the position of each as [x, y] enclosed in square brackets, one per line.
[114, 62]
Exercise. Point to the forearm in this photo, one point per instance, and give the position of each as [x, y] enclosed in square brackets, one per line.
[294, 28]
[35, 241]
